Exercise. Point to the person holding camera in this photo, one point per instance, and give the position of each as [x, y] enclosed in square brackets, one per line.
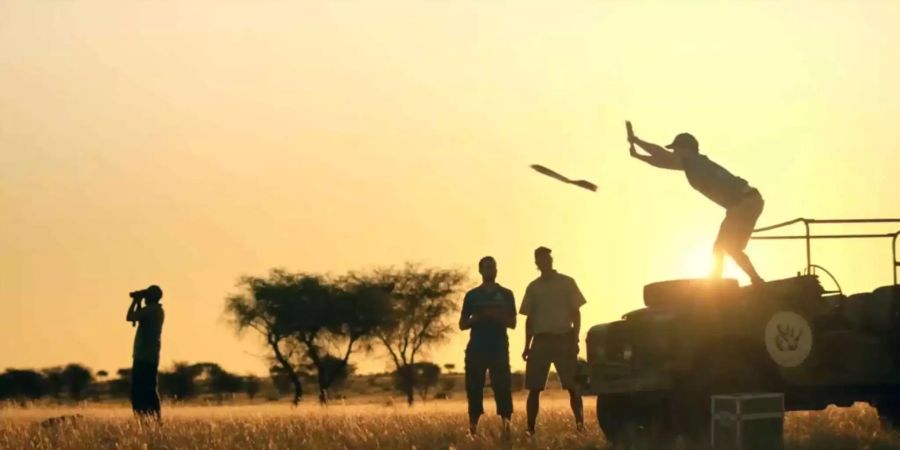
[145, 364]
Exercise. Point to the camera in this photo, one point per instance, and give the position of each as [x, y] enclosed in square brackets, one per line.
[152, 293]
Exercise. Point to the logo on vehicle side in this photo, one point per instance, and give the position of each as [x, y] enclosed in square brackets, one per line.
[789, 338]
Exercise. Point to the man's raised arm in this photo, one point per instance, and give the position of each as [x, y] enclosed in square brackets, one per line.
[134, 310]
[658, 156]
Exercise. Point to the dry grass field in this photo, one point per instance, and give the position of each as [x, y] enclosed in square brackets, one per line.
[434, 425]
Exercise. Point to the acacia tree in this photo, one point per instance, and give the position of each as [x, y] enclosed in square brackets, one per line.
[263, 307]
[422, 302]
[338, 317]
[251, 386]
[311, 320]
[222, 382]
[121, 386]
[76, 378]
[54, 382]
[420, 376]
[181, 382]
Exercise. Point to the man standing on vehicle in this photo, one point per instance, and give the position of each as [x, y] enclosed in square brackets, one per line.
[145, 365]
[743, 203]
[488, 310]
[551, 305]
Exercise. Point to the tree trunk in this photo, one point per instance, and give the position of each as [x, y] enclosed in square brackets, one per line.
[324, 384]
[298, 388]
[410, 395]
[286, 365]
[411, 388]
[411, 384]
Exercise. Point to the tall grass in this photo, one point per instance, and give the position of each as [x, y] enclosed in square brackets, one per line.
[434, 425]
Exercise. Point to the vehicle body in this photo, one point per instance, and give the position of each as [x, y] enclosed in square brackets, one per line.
[656, 368]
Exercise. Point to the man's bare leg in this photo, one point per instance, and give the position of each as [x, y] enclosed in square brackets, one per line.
[577, 408]
[531, 407]
[473, 425]
[718, 263]
[740, 258]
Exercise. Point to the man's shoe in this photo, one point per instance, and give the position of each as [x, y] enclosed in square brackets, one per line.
[505, 429]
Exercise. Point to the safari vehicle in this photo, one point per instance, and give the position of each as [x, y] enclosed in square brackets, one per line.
[655, 369]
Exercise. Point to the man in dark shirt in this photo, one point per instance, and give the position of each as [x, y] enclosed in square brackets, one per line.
[488, 310]
[743, 203]
[145, 356]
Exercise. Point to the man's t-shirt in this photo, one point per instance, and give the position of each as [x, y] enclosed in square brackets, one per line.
[550, 302]
[713, 180]
[488, 335]
[149, 330]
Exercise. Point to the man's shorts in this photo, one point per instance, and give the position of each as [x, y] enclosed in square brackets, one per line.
[740, 219]
[559, 349]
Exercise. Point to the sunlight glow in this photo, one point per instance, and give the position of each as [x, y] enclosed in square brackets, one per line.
[697, 263]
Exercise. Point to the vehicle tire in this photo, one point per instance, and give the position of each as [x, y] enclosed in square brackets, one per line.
[613, 416]
[675, 293]
[888, 407]
[634, 421]
[889, 415]
[720, 373]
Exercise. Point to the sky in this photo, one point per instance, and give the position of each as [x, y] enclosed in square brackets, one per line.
[189, 143]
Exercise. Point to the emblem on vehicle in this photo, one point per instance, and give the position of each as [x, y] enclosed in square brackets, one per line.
[789, 338]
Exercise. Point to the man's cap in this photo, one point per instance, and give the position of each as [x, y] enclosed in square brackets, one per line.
[685, 140]
[154, 291]
[542, 251]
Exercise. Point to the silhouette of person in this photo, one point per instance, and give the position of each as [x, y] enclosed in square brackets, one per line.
[743, 203]
[145, 357]
[488, 310]
[551, 305]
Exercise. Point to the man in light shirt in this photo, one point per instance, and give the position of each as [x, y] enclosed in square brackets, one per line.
[551, 305]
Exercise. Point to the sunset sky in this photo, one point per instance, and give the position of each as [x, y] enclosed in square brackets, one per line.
[188, 143]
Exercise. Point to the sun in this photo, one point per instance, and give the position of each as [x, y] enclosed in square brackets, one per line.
[697, 262]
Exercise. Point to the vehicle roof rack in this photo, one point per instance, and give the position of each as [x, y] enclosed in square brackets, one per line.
[808, 237]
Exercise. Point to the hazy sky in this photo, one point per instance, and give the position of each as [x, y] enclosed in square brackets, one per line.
[188, 143]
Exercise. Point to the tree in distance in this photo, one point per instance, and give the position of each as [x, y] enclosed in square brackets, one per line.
[346, 322]
[420, 377]
[310, 320]
[22, 385]
[121, 386]
[265, 306]
[222, 382]
[76, 378]
[180, 383]
[252, 385]
[422, 301]
[53, 380]
[281, 381]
